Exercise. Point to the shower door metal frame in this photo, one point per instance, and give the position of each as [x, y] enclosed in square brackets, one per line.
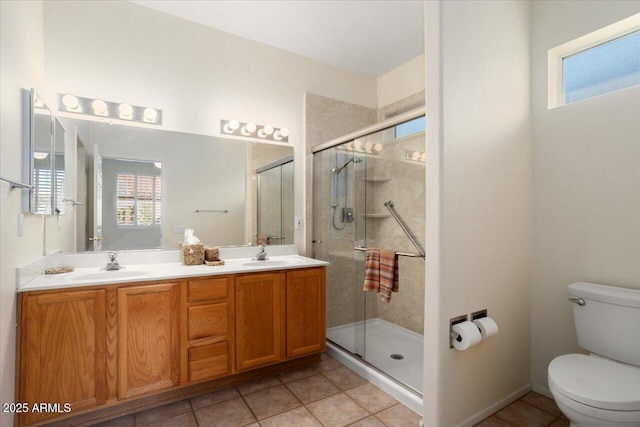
[393, 121]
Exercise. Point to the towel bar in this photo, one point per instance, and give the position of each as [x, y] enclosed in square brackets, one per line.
[361, 249]
[16, 184]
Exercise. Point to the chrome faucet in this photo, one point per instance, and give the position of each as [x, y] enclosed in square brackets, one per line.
[262, 254]
[113, 262]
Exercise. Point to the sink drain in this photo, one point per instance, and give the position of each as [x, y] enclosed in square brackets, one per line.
[397, 356]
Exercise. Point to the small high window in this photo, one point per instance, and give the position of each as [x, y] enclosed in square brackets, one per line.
[604, 61]
[411, 127]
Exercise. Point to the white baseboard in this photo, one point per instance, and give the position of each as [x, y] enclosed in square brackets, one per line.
[475, 419]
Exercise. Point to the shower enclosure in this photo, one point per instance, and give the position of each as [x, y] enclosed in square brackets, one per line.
[369, 192]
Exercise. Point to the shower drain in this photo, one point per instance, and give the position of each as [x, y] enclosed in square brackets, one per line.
[397, 356]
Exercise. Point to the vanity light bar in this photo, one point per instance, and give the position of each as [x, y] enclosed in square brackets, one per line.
[114, 110]
[250, 129]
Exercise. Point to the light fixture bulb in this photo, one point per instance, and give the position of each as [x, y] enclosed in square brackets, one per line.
[265, 131]
[281, 133]
[231, 126]
[158, 165]
[39, 155]
[71, 102]
[150, 115]
[126, 111]
[99, 107]
[377, 147]
[423, 157]
[357, 144]
[249, 128]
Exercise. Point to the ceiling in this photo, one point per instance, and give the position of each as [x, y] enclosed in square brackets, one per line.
[370, 37]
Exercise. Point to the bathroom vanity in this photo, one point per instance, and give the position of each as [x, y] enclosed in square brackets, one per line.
[114, 346]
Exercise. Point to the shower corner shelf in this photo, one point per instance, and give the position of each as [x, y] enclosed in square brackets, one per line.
[376, 215]
[377, 179]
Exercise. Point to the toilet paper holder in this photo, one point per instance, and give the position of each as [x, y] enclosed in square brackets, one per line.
[455, 321]
[463, 318]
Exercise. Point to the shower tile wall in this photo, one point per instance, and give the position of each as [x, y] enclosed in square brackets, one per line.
[407, 190]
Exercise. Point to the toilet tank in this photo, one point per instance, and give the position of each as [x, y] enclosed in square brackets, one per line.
[608, 324]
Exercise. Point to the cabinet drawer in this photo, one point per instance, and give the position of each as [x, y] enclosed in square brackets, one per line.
[208, 320]
[208, 361]
[207, 289]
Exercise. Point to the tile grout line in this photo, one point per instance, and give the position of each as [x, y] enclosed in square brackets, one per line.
[247, 405]
[279, 413]
[193, 412]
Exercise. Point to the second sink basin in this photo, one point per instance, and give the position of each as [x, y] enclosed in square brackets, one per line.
[113, 274]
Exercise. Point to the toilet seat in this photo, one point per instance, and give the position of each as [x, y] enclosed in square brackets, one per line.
[596, 382]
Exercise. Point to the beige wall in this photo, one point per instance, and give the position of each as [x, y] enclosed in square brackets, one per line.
[586, 184]
[401, 82]
[197, 75]
[478, 92]
[21, 53]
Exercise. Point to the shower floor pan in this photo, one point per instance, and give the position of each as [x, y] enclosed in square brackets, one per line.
[392, 349]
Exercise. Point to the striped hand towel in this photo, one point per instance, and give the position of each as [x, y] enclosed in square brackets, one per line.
[381, 273]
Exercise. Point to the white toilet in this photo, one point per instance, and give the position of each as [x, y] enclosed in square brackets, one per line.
[602, 389]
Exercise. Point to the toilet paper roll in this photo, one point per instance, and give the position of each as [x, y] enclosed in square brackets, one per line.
[469, 335]
[488, 327]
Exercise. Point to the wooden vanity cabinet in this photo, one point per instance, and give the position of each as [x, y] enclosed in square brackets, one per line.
[306, 312]
[112, 345]
[209, 322]
[279, 316]
[62, 351]
[148, 340]
[260, 319]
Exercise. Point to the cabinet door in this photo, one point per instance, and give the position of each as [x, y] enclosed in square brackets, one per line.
[148, 341]
[306, 313]
[63, 351]
[259, 319]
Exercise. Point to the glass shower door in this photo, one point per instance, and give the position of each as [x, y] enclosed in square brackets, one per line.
[337, 230]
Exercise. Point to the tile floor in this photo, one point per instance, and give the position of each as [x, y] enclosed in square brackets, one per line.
[327, 394]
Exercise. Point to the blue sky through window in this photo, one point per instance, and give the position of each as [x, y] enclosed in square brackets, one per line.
[411, 127]
[608, 67]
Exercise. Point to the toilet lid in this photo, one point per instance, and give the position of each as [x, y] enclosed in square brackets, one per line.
[596, 382]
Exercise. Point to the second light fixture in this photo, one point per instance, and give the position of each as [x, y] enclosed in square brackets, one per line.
[251, 129]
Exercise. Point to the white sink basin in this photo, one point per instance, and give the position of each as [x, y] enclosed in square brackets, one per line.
[270, 263]
[113, 274]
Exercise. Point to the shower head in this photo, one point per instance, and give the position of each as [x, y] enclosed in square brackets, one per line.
[353, 159]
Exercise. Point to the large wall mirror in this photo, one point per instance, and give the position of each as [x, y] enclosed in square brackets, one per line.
[139, 188]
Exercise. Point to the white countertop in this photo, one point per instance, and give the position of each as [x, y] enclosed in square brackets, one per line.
[162, 271]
